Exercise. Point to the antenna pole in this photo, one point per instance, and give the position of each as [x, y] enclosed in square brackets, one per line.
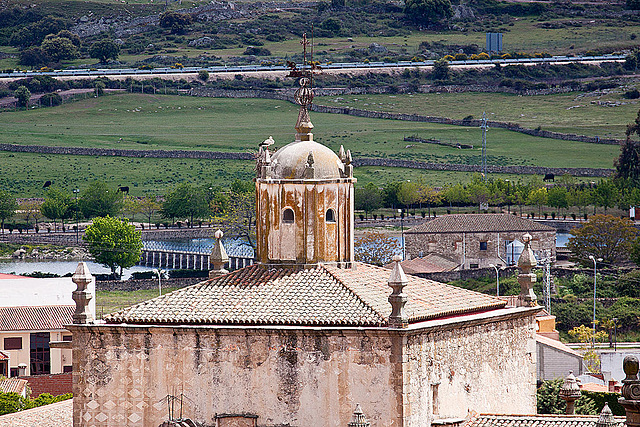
[484, 128]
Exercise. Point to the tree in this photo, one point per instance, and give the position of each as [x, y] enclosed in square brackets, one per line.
[98, 200]
[33, 56]
[455, 194]
[203, 75]
[557, 197]
[178, 22]
[8, 207]
[440, 70]
[131, 206]
[538, 197]
[635, 252]
[59, 48]
[408, 193]
[428, 11]
[375, 248]
[149, 206]
[186, 201]
[57, 205]
[23, 95]
[238, 217]
[31, 209]
[104, 50]
[628, 284]
[587, 337]
[428, 195]
[603, 236]
[549, 401]
[605, 194]
[368, 198]
[113, 242]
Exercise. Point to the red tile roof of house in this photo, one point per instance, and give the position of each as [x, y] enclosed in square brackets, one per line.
[540, 420]
[12, 276]
[478, 223]
[35, 318]
[321, 295]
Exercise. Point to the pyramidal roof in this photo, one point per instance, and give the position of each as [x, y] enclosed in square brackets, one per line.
[320, 296]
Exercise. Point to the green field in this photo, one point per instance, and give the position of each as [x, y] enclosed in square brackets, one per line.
[136, 121]
[110, 301]
[576, 112]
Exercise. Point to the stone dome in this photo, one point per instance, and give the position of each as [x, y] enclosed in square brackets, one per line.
[290, 162]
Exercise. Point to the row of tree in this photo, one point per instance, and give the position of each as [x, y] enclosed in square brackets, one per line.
[567, 193]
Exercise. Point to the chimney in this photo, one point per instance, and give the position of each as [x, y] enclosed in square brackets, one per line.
[631, 391]
[526, 278]
[82, 278]
[358, 419]
[397, 281]
[570, 392]
[218, 257]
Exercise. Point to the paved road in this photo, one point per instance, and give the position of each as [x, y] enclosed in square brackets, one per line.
[277, 70]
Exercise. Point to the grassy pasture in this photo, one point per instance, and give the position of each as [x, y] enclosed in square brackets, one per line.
[581, 113]
[111, 301]
[190, 123]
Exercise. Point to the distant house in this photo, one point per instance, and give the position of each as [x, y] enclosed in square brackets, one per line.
[477, 240]
[33, 313]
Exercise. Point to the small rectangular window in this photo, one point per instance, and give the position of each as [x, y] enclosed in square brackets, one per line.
[13, 343]
[67, 337]
[473, 265]
[14, 372]
[66, 368]
[483, 246]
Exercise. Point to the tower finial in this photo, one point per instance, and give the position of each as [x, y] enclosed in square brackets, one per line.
[304, 94]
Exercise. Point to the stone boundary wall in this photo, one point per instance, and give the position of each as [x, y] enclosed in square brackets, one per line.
[161, 154]
[217, 155]
[520, 170]
[58, 239]
[138, 284]
[54, 384]
[286, 95]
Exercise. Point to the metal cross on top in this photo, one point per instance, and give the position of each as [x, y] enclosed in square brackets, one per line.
[309, 67]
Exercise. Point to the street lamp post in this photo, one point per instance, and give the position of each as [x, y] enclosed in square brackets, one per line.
[615, 333]
[595, 274]
[402, 232]
[497, 279]
[75, 192]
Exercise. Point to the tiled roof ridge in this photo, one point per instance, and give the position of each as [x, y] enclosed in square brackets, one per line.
[516, 223]
[382, 317]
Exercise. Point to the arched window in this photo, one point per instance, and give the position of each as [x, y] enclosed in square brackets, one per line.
[330, 216]
[287, 216]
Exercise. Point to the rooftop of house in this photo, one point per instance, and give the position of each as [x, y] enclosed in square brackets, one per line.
[35, 318]
[4, 276]
[324, 295]
[478, 223]
[13, 385]
[432, 263]
[536, 421]
[58, 414]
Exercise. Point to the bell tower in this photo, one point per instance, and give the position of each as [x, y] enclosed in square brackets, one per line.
[304, 196]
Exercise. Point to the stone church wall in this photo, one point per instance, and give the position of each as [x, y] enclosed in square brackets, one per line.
[303, 376]
[489, 367]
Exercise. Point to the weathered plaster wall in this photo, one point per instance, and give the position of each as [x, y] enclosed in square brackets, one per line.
[310, 238]
[301, 377]
[465, 247]
[486, 368]
[287, 377]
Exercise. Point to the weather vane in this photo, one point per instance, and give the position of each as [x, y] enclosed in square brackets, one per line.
[304, 94]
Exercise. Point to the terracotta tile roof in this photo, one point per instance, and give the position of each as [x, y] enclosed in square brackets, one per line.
[432, 263]
[600, 388]
[478, 223]
[321, 295]
[12, 276]
[35, 318]
[536, 421]
[13, 385]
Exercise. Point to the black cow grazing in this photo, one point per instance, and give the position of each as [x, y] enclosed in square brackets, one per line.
[123, 189]
[47, 184]
[549, 177]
